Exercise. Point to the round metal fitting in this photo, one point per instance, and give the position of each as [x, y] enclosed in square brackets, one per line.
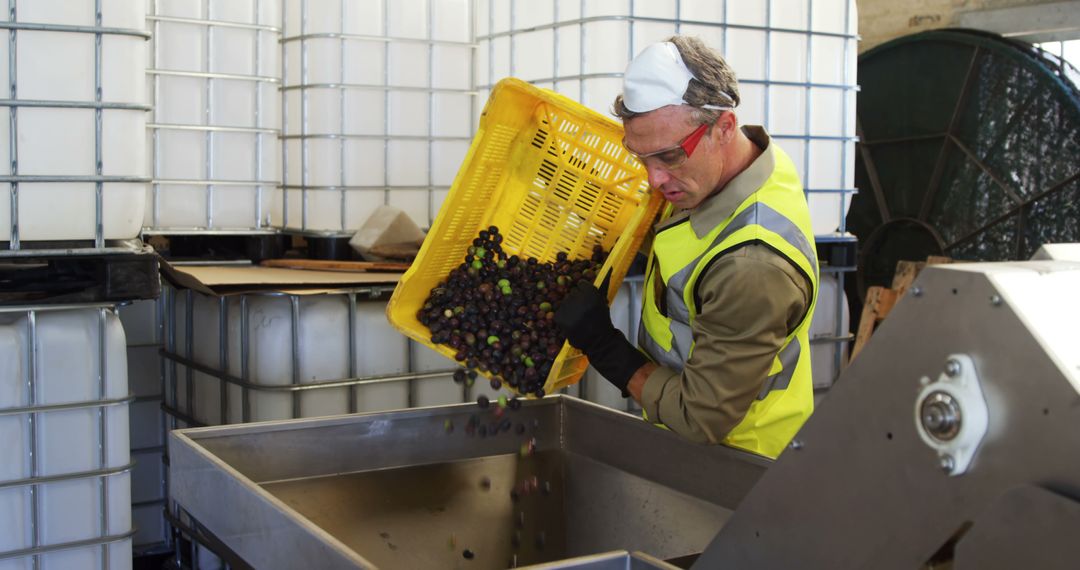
[952, 368]
[941, 416]
[946, 463]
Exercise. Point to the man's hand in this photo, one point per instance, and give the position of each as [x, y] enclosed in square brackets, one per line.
[585, 319]
[584, 316]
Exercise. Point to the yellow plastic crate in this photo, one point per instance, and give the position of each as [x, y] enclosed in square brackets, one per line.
[553, 175]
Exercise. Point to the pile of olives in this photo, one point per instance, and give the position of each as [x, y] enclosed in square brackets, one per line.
[497, 311]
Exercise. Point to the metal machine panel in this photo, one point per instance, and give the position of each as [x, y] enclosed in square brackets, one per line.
[1028, 527]
[609, 561]
[1058, 251]
[859, 488]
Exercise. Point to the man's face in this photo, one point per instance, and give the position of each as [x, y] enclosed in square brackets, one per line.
[687, 185]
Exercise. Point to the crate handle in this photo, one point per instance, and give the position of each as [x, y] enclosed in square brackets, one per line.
[606, 273]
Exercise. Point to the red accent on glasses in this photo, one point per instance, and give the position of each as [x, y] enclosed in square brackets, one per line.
[690, 143]
[687, 147]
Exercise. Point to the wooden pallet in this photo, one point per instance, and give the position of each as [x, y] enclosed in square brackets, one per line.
[881, 300]
[329, 265]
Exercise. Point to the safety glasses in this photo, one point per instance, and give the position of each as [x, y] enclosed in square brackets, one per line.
[672, 157]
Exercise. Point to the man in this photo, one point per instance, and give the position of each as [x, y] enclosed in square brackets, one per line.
[732, 276]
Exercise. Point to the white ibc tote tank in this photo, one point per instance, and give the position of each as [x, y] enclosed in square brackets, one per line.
[238, 358]
[795, 60]
[72, 150]
[141, 321]
[65, 487]
[214, 79]
[829, 332]
[378, 108]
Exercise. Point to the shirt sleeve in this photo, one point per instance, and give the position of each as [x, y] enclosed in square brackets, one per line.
[750, 300]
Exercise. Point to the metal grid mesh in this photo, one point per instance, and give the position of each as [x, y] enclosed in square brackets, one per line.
[344, 70]
[111, 467]
[46, 199]
[216, 102]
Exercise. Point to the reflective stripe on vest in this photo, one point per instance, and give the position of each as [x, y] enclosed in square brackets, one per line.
[789, 357]
[674, 293]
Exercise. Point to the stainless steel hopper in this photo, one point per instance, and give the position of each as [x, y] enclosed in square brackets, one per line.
[396, 490]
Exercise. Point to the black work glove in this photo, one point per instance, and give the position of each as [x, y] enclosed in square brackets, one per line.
[585, 318]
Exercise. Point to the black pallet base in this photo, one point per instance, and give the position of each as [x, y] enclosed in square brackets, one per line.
[153, 561]
[331, 248]
[843, 254]
[254, 248]
[70, 279]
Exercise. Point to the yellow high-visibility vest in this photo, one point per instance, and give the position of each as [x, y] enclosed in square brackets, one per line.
[776, 216]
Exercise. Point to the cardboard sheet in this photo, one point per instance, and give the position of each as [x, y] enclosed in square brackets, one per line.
[234, 279]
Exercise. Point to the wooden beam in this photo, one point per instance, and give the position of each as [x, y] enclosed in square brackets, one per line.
[329, 265]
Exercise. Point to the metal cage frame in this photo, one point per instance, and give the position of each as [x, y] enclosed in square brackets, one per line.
[305, 187]
[102, 473]
[15, 246]
[263, 222]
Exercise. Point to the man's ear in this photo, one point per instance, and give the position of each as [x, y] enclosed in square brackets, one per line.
[725, 127]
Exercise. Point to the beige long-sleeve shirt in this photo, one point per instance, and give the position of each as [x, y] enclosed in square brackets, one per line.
[751, 299]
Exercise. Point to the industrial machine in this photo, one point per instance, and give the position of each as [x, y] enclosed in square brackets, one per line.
[980, 164]
[951, 438]
[954, 435]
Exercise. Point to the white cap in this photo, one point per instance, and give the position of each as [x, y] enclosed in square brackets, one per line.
[658, 77]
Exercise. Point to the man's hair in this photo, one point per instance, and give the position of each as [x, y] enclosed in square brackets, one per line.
[714, 82]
